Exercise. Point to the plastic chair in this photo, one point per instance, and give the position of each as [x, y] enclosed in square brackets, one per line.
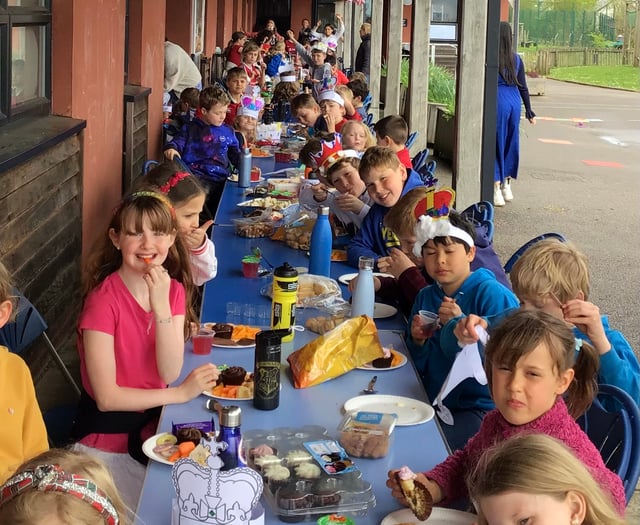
[420, 160]
[148, 166]
[366, 103]
[518, 253]
[411, 139]
[480, 211]
[613, 425]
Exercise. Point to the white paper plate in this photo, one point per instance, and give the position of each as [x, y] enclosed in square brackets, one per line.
[403, 361]
[232, 347]
[149, 445]
[346, 277]
[439, 516]
[209, 394]
[381, 310]
[409, 411]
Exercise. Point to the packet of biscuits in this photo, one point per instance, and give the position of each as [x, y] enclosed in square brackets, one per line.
[348, 346]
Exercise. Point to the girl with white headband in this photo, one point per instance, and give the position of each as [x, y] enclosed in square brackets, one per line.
[445, 241]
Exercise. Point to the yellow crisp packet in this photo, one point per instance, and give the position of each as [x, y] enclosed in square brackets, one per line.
[349, 345]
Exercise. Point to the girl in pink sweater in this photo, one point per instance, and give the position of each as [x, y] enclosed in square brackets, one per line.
[530, 366]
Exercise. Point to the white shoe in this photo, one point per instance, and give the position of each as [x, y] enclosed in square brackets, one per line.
[498, 199]
[506, 191]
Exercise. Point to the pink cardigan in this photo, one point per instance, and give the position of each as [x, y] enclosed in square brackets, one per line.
[556, 423]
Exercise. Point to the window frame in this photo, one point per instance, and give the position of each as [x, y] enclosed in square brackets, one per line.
[20, 16]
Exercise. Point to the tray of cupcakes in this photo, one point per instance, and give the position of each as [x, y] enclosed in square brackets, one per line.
[306, 474]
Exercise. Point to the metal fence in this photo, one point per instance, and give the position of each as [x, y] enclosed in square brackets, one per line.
[565, 28]
[541, 61]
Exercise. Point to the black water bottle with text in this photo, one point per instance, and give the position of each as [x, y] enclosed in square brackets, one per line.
[267, 368]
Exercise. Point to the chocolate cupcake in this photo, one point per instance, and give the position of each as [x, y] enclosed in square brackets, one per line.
[223, 330]
[277, 476]
[325, 498]
[233, 376]
[307, 471]
[189, 434]
[383, 362]
[292, 504]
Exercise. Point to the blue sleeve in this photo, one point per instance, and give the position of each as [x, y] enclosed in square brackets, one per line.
[522, 87]
[178, 141]
[274, 65]
[363, 243]
[619, 366]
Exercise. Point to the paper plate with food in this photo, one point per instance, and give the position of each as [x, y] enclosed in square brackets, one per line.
[183, 442]
[233, 335]
[391, 360]
[234, 383]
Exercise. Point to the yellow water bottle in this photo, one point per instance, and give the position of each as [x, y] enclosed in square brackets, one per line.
[284, 297]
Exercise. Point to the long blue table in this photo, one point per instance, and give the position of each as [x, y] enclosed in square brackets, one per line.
[419, 446]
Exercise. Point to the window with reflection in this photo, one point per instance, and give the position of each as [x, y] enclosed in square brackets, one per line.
[444, 11]
[25, 58]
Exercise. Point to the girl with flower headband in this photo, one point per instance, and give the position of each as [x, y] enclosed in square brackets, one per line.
[446, 243]
[187, 195]
[532, 368]
[246, 121]
[131, 333]
[62, 487]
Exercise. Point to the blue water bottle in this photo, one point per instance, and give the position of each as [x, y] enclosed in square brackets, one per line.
[320, 247]
[244, 173]
[364, 296]
[233, 455]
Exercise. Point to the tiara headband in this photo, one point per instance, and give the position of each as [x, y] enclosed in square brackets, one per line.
[51, 478]
[173, 181]
[432, 214]
[160, 196]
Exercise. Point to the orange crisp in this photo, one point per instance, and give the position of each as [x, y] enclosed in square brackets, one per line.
[241, 331]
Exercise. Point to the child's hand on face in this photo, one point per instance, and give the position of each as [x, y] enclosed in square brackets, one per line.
[465, 330]
[159, 283]
[395, 263]
[348, 202]
[170, 153]
[195, 238]
[586, 317]
[319, 192]
[448, 310]
[331, 121]
[199, 379]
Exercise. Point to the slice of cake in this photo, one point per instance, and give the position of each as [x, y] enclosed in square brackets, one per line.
[416, 493]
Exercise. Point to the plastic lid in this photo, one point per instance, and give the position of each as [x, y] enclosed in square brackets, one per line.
[286, 270]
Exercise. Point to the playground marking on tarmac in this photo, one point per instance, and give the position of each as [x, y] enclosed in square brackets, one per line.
[555, 141]
[603, 164]
[613, 140]
[573, 119]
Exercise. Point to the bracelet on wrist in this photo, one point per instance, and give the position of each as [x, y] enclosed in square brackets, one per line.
[164, 320]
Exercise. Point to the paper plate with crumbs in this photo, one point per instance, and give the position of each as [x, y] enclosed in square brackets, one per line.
[409, 411]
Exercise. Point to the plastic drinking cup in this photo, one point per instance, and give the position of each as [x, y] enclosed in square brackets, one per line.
[428, 323]
[202, 341]
[250, 269]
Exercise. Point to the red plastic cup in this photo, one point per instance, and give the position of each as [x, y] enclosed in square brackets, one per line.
[255, 174]
[202, 341]
[250, 269]
[428, 323]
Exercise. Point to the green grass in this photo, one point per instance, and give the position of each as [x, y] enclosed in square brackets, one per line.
[626, 77]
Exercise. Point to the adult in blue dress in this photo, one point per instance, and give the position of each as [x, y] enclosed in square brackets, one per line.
[512, 92]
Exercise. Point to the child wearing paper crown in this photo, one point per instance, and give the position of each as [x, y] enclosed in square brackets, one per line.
[208, 146]
[344, 192]
[136, 316]
[539, 385]
[445, 241]
[187, 196]
[408, 271]
[554, 277]
[246, 123]
[332, 107]
[386, 180]
[23, 433]
[62, 487]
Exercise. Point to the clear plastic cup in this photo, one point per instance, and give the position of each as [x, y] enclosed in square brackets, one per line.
[428, 323]
[202, 341]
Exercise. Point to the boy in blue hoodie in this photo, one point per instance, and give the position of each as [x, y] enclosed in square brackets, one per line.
[386, 180]
[554, 277]
[447, 248]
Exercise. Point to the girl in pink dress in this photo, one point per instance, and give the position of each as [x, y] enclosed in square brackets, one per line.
[131, 334]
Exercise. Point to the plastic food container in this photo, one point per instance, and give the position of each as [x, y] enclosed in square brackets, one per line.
[307, 493]
[367, 434]
[253, 228]
[292, 185]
